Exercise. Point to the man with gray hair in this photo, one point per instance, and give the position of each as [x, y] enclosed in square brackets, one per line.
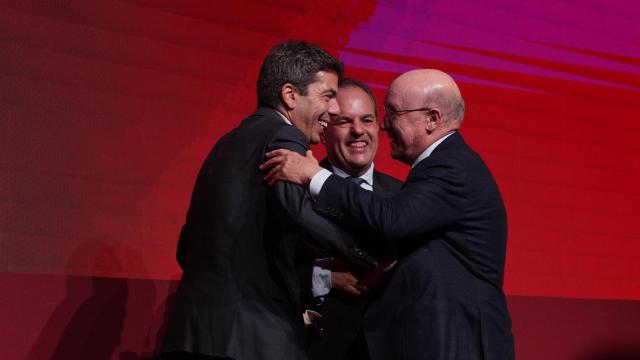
[444, 299]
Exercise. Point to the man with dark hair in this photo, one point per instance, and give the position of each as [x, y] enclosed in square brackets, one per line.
[239, 296]
[444, 299]
[295, 63]
[351, 141]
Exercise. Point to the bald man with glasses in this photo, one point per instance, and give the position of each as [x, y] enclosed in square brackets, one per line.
[444, 299]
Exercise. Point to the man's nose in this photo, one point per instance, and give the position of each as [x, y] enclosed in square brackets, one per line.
[334, 108]
[356, 128]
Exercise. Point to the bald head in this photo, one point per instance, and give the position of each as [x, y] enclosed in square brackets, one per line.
[421, 107]
[433, 89]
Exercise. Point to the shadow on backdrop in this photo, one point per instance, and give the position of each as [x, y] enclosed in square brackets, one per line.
[105, 317]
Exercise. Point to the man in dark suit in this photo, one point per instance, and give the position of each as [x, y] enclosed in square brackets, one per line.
[239, 296]
[351, 141]
[444, 299]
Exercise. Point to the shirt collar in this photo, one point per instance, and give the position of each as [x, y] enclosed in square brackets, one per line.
[427, 152]
[367, 176]
[284, 118]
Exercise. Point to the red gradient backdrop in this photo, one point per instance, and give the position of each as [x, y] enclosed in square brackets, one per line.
[107, 109]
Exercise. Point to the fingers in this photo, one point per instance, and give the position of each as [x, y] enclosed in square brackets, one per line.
[274, 180]
[345, 281]
[345, 277]
[278, 152]
[275, 157]
[361, 287]
[274, 165]
[279, 156]
[350, 287]
[273, 175]
[352, 290]
[271, 162]
[356, 289]
[290, 166]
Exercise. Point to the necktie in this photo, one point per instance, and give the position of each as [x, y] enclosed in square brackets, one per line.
[356, 180]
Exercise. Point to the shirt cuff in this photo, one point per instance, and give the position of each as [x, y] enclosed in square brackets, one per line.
[317, 181]
[320, 280]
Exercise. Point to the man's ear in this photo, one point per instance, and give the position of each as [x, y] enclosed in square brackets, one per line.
[434, 120]
[289, 95]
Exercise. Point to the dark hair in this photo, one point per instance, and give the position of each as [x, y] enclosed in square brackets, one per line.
[347, 82]
[294, 62]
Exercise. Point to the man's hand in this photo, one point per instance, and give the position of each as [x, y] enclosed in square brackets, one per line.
[342, 279]
[380, 275]
[346, 282]
[290, 166]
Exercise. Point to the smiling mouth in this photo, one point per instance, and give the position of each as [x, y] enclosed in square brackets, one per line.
[323, 123]
[358, 144]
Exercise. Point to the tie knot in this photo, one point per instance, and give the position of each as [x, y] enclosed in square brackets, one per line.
[356, 180]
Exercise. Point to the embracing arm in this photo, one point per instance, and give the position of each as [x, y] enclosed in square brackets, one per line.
[297, 202]
[430, 199]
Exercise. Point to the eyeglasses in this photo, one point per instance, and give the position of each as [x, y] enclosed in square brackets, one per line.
[390, 114]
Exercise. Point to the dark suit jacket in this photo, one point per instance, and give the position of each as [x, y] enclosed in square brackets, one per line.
[239, 292]
[342, 313]
[444, 299]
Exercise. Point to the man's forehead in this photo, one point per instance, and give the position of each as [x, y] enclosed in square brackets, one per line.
[351, 92]
[354, 98]
[398, 95]
[326, 80]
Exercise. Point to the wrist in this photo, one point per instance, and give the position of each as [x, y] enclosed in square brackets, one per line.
[313, 171]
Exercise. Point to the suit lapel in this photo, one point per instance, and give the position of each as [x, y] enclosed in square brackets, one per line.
[379, 185]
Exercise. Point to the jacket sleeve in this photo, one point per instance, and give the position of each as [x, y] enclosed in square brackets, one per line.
[298, 204]
[431, 198]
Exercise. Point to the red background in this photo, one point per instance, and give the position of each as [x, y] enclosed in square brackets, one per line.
[108, 108]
